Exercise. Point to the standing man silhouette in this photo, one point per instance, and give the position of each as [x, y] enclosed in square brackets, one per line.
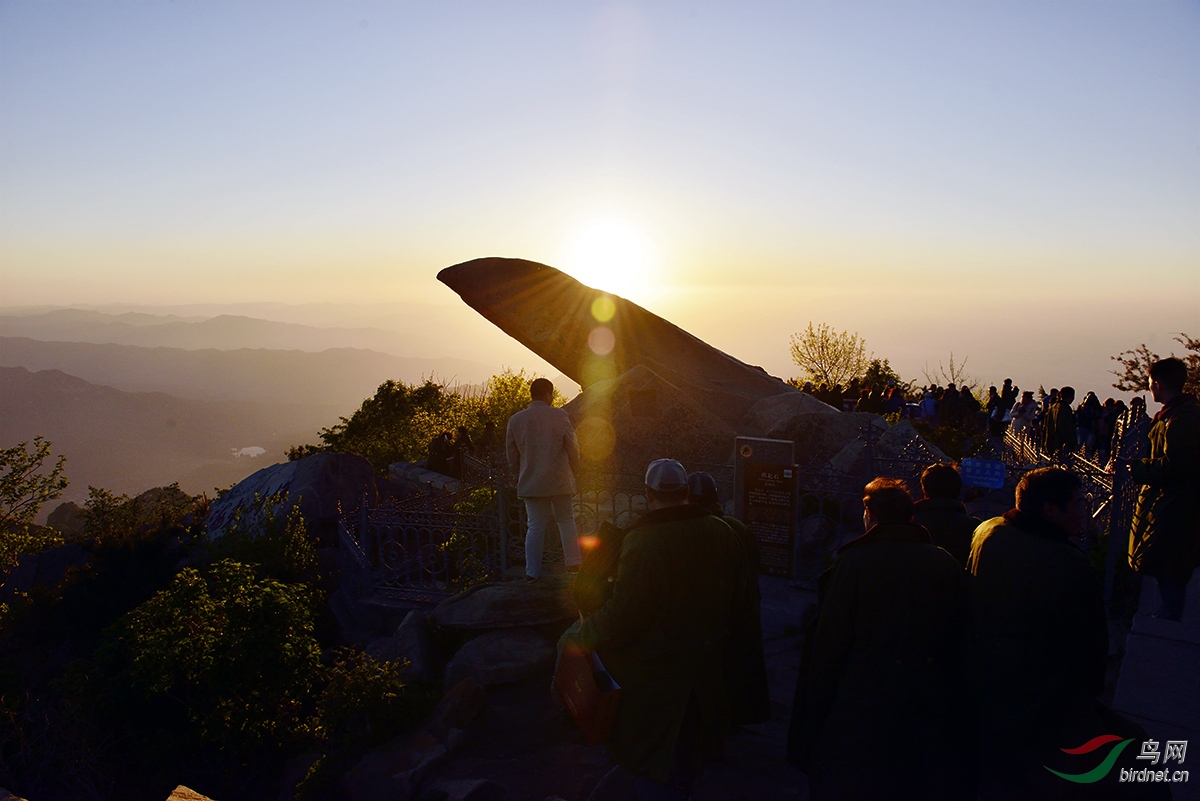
[544, 454]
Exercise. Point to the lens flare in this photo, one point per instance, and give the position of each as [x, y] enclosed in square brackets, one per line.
[603, 309]
[602, 340]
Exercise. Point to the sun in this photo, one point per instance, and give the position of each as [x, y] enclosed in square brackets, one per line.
[612, 254]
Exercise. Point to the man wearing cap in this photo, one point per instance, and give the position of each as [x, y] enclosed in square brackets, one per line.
[662, 636]
[544, 453]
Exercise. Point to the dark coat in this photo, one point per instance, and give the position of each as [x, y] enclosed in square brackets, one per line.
[745, 666]
[948, 523]
[1060, 431]
[878, 710]
[1164, 539]
[662, 635]
[1038, 661]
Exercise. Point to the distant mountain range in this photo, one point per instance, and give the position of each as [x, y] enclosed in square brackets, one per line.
[339, 378]
[137, 400]
[222, 332]
[131, 441]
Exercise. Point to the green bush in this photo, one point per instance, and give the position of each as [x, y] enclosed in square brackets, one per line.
[235, 651]
[400, 420]
[278, 545]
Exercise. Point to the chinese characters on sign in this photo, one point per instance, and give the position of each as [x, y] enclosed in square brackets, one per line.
[983, 473]
[769, 505]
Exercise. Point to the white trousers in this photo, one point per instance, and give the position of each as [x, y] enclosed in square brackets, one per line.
[538, 510]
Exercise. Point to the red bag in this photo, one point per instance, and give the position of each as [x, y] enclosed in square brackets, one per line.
[588, 691]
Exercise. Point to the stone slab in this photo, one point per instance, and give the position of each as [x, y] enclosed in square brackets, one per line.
[559, 319]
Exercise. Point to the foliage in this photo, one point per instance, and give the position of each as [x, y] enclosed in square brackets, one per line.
[24, 487]
[1134, 375]
[957, 442]
[955, 373]
[18, 541]
[400, 420]
[117, 520]
[279, 545]
[363, 704]
[879, 373]
[235, 651]
[825, 355]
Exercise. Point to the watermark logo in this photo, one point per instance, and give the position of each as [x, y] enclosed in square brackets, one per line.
[1173, 750]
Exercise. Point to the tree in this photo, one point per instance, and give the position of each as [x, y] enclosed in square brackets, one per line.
[400, 420]
[1134, 375]
[832, 357]
[880, 372]
[956, 373]
[24, 486]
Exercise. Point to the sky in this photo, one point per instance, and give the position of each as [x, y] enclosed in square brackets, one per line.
[1014, 182]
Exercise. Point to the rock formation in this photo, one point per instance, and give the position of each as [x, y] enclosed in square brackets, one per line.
[594, 336]
[324, 485]
[625, 423]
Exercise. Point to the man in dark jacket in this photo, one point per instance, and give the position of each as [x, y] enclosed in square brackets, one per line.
[662, 637]
[745, 666]
[1164, 539]
[1040, 650]
[1059, 427]
[878, 711]
[943, 514]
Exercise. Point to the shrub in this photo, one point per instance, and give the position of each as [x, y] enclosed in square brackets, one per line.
[235, 651]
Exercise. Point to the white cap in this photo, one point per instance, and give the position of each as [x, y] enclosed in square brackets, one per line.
[666, 475]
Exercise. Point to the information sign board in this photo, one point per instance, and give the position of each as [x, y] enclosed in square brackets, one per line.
[983, 473]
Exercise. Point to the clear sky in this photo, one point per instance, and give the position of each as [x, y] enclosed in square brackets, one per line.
[1014, 181]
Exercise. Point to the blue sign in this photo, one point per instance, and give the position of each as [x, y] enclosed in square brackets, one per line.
[983, 473]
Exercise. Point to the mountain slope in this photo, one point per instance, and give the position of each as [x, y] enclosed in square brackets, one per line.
[130, 441]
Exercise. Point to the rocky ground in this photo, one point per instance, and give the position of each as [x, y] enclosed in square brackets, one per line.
[526, 748]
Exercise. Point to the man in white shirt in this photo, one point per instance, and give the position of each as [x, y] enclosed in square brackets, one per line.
[543, 453]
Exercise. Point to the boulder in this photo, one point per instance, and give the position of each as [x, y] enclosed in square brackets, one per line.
[616, 785]
[324, 485]
[819, 436]
[502, 657]
[47, 567]
[394, 771]
[67, 517]
[182, 793]
[511, 604]
[469, 790]
[773, 413]
[628, 422]
[900, 441]
[410, 642]
[594, 336]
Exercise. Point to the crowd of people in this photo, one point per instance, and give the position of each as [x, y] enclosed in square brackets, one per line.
[1053, 422]
[949, 657]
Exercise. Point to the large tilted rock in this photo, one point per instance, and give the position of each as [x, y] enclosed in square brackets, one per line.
[552, 314]
[628, 422]
[505, 605]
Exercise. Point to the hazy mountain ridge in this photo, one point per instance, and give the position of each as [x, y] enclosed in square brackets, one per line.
[339, 378]
[222, 332]
[131, 441]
